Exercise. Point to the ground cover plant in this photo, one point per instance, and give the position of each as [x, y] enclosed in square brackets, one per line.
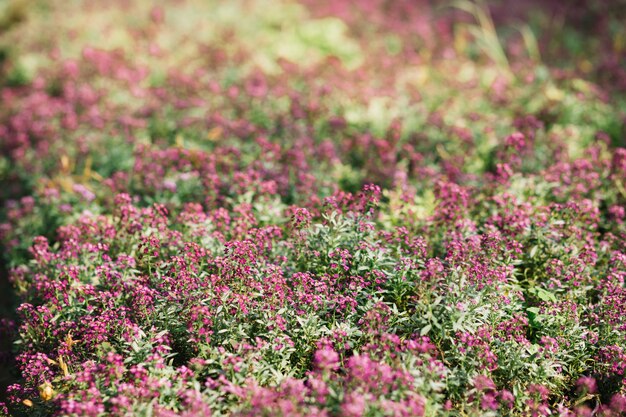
[314, 208]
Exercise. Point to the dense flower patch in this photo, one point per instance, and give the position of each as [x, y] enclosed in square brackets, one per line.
[306, 213]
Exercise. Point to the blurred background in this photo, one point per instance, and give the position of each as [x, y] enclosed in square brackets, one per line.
[587, 37]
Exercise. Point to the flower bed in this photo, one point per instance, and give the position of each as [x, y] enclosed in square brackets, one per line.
[292, 211]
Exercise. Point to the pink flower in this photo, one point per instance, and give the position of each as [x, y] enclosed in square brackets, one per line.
[587, 385]
[326, 359]
[354, 405]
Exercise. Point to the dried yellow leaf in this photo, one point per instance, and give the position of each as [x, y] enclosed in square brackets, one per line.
[214, 134]
[65, 163]
[63, 366]
[46, 392]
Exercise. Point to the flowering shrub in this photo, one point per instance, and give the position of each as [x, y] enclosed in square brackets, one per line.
[305, 213]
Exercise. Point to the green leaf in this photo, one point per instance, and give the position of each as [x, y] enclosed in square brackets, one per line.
[545, 295]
